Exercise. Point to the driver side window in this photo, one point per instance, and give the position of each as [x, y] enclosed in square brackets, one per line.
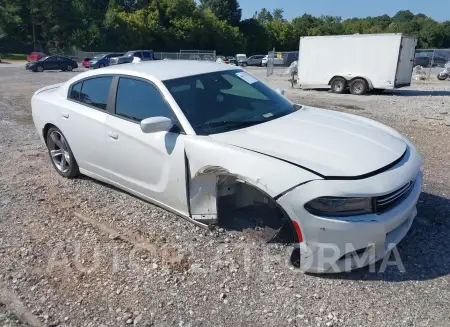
[137, 100]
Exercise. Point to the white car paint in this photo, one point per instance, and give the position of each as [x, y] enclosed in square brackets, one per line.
[294, 159]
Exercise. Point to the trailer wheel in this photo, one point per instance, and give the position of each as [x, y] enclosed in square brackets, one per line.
[358, 86]
[338, 85]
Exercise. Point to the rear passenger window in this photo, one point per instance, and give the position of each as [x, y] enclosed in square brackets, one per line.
[75, 91]
[95, 91]
[138, 54]
[146, 55]
[137, 100]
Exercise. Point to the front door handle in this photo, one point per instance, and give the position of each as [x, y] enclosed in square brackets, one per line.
[113, 135]
[65, 115]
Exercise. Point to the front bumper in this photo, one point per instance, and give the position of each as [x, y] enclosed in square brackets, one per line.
[329, 245]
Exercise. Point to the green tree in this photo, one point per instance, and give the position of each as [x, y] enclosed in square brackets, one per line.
[228, 10]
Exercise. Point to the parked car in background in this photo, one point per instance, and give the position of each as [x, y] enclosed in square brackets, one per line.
[255, 60]
[276, 61]
[85, 62]
[241, 59]
[103, 60]
[429, 61]
[208, 57]
[144, 55]
[231, 60]
[52, 63]
[35, 56]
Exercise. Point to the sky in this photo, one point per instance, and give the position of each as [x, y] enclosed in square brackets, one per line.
[437, 9]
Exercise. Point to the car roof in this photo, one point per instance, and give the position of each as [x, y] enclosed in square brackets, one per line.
[162, 69]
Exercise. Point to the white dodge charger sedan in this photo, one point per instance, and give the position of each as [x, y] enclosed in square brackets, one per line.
[205, 140]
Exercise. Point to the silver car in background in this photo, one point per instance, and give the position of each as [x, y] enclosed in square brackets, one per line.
[255, 60]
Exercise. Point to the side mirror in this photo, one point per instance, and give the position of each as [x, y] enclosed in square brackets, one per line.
[156, 124]
[281, 91]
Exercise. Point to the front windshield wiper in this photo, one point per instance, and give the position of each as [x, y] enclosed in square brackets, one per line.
[233, 123]
[297, 106]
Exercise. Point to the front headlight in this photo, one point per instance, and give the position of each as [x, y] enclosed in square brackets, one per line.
[339, 207]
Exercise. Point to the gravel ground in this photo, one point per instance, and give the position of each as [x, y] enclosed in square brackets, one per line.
[81, 253]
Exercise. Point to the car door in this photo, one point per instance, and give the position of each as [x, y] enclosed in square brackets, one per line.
[61, 62]
[138, 54]
[83, 123]
[51, 63]
[146, 55]
[149, 164]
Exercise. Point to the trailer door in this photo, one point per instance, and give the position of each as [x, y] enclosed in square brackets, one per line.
[405, 61]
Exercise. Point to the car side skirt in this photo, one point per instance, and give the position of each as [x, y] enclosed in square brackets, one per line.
[143, 197]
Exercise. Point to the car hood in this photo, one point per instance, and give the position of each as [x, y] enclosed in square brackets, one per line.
[329, 143]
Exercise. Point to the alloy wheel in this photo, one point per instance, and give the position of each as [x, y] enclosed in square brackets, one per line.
[59, 151]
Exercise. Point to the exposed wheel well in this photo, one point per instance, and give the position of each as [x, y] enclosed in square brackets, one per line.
[244, 207]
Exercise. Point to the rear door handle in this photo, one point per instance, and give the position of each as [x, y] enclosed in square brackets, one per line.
[65, 115]
[113, 135]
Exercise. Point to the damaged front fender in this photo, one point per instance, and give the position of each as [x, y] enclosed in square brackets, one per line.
[211, 164]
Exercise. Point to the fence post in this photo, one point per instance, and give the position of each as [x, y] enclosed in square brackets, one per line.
[431, 65]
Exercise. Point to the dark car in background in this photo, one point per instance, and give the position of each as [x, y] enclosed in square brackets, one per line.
[35, 56]
[52, 63]
[430, 61]
[144, 55]
[103, 60]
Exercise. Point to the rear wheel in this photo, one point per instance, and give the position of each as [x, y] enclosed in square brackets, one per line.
[442, 77]
[338, 85]
[358, 86]
[60, 154]
[69, 68]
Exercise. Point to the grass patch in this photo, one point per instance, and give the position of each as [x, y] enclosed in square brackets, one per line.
[13, 56]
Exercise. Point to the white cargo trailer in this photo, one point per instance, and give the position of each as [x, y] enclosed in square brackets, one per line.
[359, 62]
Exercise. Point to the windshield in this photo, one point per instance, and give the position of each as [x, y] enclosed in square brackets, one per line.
[98, 57]
[227, 100]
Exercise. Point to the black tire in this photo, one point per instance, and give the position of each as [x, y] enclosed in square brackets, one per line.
[338, 85]
[69, 68]
[442, 77]
[70, 170]
[101, 65]
[40, 69]
[358, 86]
